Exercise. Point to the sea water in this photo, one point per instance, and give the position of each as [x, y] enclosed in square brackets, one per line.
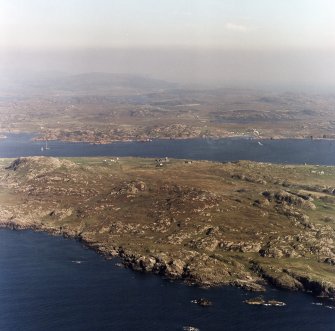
[53, 283]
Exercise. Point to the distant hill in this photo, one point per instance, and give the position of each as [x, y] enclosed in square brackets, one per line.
[88, 83]
[105, 80]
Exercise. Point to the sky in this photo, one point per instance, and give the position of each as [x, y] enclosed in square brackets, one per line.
[235, 37]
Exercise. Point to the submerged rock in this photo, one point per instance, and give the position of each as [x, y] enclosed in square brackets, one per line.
[190, 328]
[275, 303]
[203, 302]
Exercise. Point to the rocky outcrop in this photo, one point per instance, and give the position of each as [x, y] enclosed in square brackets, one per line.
[318, 287]
[16, 163]
[249, 178]
[288, 198]
[277, 277]
[259, 301]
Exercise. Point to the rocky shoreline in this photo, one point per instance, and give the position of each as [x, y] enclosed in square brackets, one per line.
[148, 139]
[92, 138]
[174, 270]
[159, 265]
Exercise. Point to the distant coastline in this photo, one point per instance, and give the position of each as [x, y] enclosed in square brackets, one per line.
[41, 137]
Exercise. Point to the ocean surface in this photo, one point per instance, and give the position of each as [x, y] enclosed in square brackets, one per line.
[53, 283]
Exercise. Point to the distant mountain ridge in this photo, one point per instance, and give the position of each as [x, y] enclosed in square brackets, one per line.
[90, 82]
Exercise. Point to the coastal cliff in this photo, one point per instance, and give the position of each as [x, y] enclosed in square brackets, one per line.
[244, 224]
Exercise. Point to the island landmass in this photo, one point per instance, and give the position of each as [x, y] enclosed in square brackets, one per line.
[244, 223]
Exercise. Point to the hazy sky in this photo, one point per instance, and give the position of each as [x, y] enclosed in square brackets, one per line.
[202, 23]
[175, 39]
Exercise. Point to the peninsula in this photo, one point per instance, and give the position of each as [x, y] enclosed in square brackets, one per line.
[244, 224]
